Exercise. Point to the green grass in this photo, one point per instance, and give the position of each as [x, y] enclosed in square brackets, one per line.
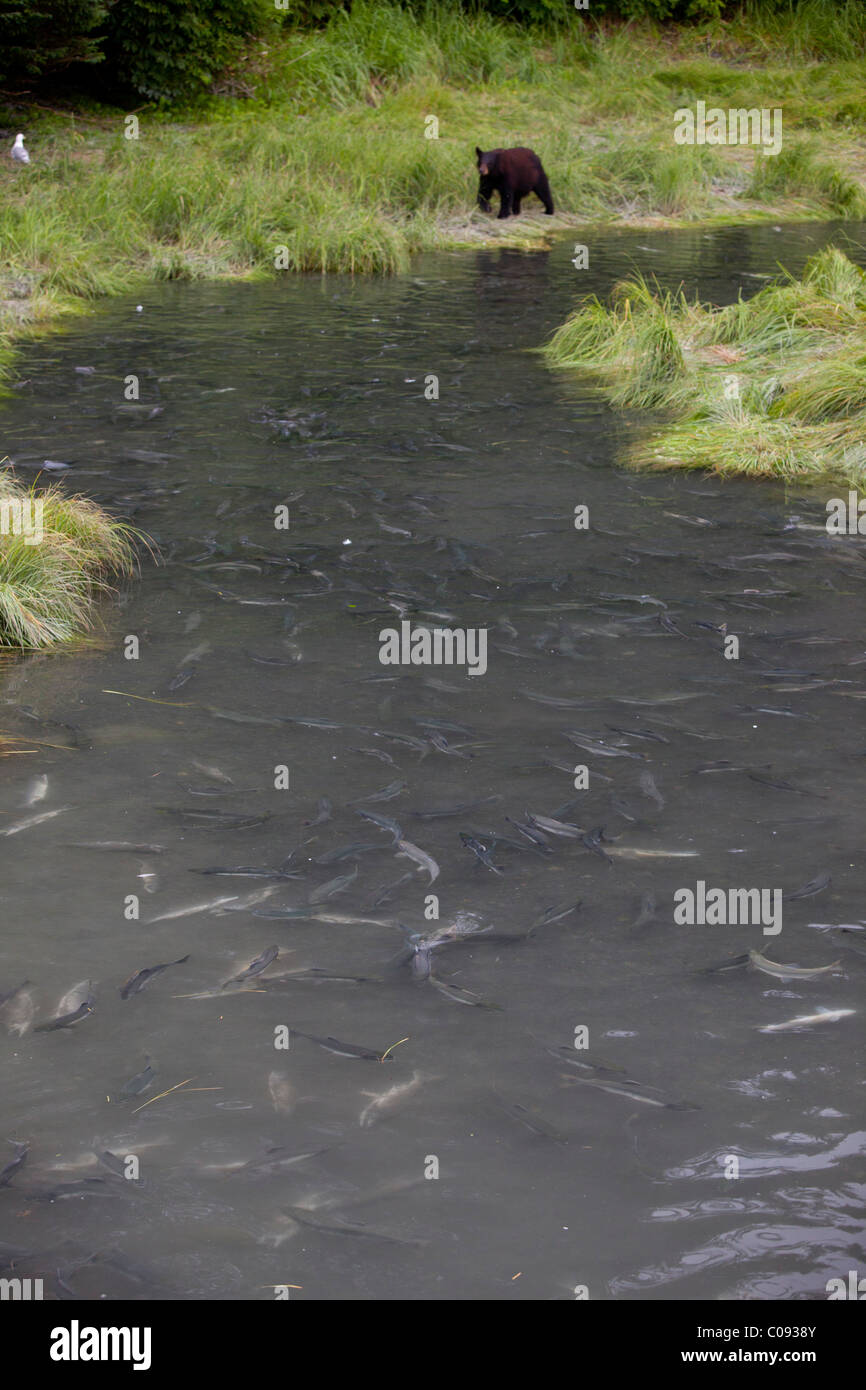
[772, 386]
[804, 30]
[48, 582]
[799, 170]
[638, 331]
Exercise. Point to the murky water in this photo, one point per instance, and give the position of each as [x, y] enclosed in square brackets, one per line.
[262, 646]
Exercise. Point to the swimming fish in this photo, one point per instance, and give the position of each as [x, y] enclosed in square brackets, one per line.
[15, 1164]
[118, 846]
[649, 788]
[324, 811]
[341, 1049]
[439, 812]
[555, 827]
[632, 1090]
[333, 887]
[281, 1092]
[647, 911]
[36, 790]
[148, 878]
[815, 885]
[553, 914]
[193, 909]
[632, 852]
[383, 822]
[140, 1082]
[383, 1101]
[461, 995]
[17, 1010]
[807, 1020]
[317, 1223]
[531, 1119]
[276, 1157]
[216, 774]
[29, 821]
[418, 856]
[790, 972]
[481, 851]
[137, 982]
[255, 967]
[386, 794]
[66, 1020]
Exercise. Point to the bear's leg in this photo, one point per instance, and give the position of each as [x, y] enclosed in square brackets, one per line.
[515, 208]
[505, 198]
[542, 188]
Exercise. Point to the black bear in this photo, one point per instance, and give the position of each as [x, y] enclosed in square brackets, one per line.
[513, 174]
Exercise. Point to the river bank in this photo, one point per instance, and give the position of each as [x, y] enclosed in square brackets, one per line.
[58, 553]
[771, 386]
[316, 155]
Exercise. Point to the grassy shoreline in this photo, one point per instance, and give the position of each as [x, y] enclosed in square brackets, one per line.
[325, 155]
[57, 554]
[772, 386]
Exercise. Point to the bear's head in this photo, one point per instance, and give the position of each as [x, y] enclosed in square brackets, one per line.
[487, 169]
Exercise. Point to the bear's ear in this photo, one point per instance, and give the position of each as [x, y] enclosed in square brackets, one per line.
[478, 154]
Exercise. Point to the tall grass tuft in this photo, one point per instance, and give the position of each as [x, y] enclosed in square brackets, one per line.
[771, 386]
[633, 346]
[804, 30]
[798, 171]
[48, 584]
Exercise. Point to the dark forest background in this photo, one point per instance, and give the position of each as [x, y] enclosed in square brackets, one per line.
[172, 50]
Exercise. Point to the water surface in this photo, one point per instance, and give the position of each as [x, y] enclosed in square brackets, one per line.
[457, 510]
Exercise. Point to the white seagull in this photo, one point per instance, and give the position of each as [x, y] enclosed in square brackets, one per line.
[18, 151]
